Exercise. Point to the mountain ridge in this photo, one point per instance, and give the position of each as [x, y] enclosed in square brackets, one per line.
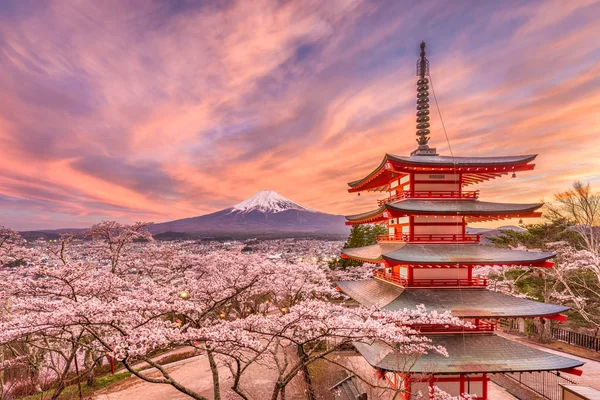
[266, 213]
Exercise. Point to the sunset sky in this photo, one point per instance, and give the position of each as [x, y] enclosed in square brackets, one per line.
[157, 110]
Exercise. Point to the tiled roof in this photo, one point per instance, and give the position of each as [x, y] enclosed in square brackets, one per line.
[448, 161]
[410, 253]
[462, 161]
[447, 207]
[464, 207]
[370, 292]
[463, 253]
[469, 353]
[585, 392]
[475, 303]
[373, 253]
[348, 389]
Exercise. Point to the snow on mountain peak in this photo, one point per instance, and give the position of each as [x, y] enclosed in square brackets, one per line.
[268, 201]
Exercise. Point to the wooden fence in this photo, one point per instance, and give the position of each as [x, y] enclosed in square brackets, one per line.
[576, 338]
[563, 335]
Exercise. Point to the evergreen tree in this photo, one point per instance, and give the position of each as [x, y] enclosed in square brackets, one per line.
[360, 236]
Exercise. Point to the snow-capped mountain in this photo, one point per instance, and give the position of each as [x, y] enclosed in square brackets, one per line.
[266, 213]
[268, 201]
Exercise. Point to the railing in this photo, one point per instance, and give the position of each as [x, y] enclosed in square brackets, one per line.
[545, 383]
[481, 326]
[577, 339]
[562, 335]
[390, 278]
[431, 194]
[574, 338]
[437, 238]
[393, 278]
[479, 282]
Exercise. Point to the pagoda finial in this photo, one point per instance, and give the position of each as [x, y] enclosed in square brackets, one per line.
[423, 106]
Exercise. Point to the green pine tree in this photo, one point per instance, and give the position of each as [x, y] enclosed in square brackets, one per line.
[360, 236]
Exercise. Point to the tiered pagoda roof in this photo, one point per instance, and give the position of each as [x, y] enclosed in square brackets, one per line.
[474, 169]
[427, 258]
[467, 354]
[476, 303]
[446, 255]
[474, 210]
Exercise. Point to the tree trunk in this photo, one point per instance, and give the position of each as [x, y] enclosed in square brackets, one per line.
[310, 393]
[544, 330]
[215, 373]
[276, 391]
[90, 378]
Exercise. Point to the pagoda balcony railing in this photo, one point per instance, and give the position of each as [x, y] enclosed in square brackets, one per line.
[380, 274]
[435, 238]
[393, 278]
[431, 194]
[474, 282]
[480, 326]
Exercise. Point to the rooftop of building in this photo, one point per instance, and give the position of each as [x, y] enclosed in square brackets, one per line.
[471, 165]
[427, 254]
[471, 303]
[476, 208]
[470, 353]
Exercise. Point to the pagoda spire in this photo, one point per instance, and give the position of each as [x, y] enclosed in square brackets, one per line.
[423, 106]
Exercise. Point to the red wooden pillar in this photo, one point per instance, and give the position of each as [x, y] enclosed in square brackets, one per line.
[484, 392]
[431, 381]
[409, 274]
[462, 385]
[407, 387]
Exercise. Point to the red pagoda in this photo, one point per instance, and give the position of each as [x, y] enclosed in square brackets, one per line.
[428, 257]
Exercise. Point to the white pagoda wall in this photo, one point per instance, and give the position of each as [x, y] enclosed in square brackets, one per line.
[438, 229]
[440, 273]
[451, 182]
[453, 388]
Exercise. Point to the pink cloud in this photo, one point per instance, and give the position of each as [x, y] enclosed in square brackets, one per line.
[111, 110]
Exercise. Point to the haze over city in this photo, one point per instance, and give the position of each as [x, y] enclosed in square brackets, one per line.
[155, 111]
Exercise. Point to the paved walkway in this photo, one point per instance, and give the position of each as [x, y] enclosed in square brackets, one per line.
[195, 373]
[496, 392]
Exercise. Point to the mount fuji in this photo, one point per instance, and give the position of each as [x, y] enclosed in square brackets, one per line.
[266, 214]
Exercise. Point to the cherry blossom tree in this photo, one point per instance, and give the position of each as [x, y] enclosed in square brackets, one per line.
[574, 235]
[12, 248]
[125, 295]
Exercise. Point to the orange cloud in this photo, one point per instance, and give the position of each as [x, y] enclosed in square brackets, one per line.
[115, 111]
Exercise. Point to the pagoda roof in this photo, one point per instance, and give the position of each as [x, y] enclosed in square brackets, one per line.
[372, 254]
[474, 303]
[371, 292]
[464, 254]
[477, 210]
[471, 353]
[432, 254]
[477, 169]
